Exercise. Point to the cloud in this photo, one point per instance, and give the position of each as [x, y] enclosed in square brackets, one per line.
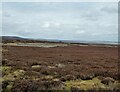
[80, 31]
[46, 25]
[50, 24]
[60, 20]
[110, 9]
[92, 15]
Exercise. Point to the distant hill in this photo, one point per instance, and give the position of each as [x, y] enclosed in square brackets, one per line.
[12, 38]
[9, 39]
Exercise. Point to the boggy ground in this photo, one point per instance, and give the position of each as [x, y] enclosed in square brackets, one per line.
[71, 68]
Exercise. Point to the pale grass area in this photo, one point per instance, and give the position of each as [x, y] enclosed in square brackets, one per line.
[46, 45]
[36, 66]
[95, 83]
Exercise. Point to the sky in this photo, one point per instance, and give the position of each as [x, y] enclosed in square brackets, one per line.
[87, 21]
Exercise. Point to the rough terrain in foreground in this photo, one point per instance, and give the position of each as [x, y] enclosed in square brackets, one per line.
[59, 68]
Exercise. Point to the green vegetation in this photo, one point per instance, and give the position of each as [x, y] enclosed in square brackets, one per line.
[95, 83]
[9, 76]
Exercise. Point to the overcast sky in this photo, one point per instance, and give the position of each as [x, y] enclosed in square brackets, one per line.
[69, 21]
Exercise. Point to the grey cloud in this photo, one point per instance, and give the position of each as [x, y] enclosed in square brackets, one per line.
[93, 15]
[109, 9]
[5, 14]
[75, 24]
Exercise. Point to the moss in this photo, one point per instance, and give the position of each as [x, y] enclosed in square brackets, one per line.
[69, 84]
[5, 69]
[9, 87]
[95, 83]
[9, 73]
[18, 72]
[13, 75]
[10, 76]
